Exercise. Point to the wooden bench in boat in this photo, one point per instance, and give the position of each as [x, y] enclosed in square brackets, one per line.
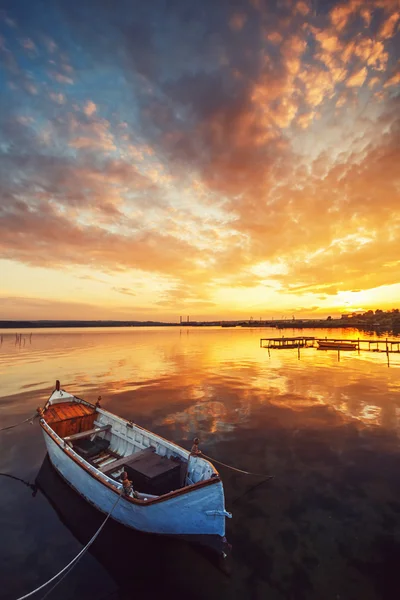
[89, 448]
[120, 462]
[86, 434]
[150, 472]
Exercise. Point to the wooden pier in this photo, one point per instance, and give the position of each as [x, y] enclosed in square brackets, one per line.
[382, 345]
[287, 342]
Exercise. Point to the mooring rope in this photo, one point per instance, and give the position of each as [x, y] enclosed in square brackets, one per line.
[74, 561]
[21, 422]
[253, 487]
[238, 470]
[30, 485]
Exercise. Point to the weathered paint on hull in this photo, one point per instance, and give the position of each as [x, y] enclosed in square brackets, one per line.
[182, 515]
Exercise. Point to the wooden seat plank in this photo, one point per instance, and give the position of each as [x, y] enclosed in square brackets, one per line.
[84, 434]
[120, 462]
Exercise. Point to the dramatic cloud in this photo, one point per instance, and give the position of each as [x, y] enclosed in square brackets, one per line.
[222, 153]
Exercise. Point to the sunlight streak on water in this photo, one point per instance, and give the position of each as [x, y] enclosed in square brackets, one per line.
[213, 378]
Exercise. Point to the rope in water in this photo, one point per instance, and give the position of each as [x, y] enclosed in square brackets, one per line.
[75, 560]
[30, 485]
[238, 470]
[21, 422]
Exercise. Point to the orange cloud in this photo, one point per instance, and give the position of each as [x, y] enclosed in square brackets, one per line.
[357, 79]
[89, 245]
[340, 14]
[285, 112]
[302, 7]
[328, 40]
[372, 53]
[318, 85]
[341, 101]
[387, 29]
[292, 50]
[394, 80]
[95, 134]
[366, 16]
[305, 120]
[373, 82]
[275, 37]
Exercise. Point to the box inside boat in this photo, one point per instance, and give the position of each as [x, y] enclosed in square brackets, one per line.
[153, 474]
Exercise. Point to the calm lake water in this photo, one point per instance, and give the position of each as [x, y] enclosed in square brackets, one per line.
[328, 524]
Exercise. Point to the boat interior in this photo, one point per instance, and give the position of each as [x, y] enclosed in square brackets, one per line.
[113, 445]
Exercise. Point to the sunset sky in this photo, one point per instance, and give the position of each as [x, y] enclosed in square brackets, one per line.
[218, 159]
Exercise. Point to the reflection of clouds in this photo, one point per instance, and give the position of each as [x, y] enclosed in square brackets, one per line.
[295, 401]
[371, 413]
[210, 382]
[204, 417]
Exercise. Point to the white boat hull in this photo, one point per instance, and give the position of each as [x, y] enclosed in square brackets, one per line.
[196, 512]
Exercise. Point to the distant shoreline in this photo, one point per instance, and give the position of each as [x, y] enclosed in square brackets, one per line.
[370, 325]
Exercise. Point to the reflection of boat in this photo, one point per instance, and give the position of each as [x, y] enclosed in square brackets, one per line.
[95, 451]
[138, 562]
[336, 345]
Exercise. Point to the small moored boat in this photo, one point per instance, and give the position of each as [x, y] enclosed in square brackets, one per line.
[173, 492]
[336, 345]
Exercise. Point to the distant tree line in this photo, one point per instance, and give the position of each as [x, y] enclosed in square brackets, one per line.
[378, 320]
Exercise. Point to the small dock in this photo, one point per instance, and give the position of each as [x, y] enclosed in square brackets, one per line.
[382, 345]
[287, 342]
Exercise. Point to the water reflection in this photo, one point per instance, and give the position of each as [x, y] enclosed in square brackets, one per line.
[212, 380]
[326, 526]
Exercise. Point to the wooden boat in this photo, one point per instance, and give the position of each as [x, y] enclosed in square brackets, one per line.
[175, 493]
[336, 345]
